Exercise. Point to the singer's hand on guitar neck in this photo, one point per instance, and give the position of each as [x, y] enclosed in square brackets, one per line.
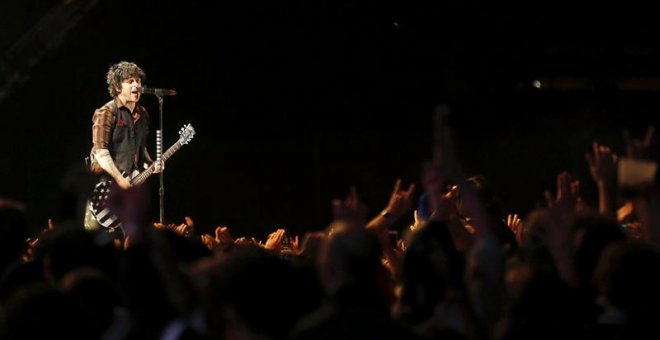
[159, 166]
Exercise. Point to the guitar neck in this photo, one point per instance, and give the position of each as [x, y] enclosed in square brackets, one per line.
[139, 179]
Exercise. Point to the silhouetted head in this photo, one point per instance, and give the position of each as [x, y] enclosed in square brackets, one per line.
[349, 256]
[592, 233]
[486, 195]
[430, 266]
[628, 277]
[13, 232]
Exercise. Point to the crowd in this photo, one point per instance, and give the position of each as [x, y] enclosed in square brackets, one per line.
[463, 268]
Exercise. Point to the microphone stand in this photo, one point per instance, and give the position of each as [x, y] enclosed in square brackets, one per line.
[159, 148]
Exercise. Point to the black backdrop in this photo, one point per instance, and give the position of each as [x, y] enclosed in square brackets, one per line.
[295, 101]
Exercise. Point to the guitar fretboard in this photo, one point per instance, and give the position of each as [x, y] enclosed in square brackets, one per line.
[139, 179]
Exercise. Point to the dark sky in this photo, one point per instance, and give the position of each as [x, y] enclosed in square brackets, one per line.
[295, 101]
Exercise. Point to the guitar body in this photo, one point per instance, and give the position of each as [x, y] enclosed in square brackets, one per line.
[98, 207]
[98, 204]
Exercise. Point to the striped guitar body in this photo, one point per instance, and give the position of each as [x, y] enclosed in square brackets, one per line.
[98, 208]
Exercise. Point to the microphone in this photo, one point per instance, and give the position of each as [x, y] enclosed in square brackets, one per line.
[157, 92]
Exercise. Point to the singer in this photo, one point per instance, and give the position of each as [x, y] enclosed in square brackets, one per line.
[119, 136]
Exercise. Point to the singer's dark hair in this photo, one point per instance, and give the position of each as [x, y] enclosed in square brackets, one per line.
[120, 71]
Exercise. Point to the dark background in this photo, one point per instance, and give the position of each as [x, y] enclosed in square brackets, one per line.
[295, 101]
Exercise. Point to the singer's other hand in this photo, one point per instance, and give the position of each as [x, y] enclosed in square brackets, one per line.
[123, 183]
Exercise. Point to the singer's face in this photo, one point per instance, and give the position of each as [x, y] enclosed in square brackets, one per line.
[130, 90]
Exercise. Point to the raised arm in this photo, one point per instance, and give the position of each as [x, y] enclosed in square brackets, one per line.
[400, 202]
[603, 168]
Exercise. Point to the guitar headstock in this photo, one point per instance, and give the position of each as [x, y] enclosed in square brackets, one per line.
[186, 134]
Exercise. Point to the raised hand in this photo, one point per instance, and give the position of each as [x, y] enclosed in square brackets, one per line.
[418, 221]
[181, 229]
[295, 244]
[350, 209]
[401, 201]
[561, 212]
[274, 241]
[189, 222]
[210, 242]
[223, 235]
[222, 238]
[244, 240]
[639, 148]
[602, 163]
[33, 242]
[442, 201]
[568, 194]
[516, 225]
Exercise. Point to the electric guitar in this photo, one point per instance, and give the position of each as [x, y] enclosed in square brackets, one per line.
[100, 212]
